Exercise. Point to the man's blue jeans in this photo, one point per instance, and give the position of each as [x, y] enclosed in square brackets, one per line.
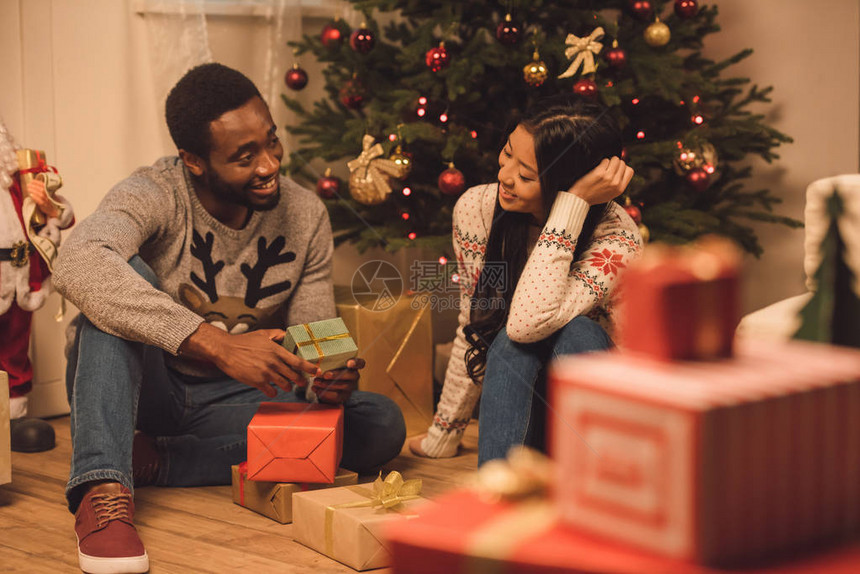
[513, 401]
[200, 425]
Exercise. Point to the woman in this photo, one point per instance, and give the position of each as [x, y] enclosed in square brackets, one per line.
[539, 255]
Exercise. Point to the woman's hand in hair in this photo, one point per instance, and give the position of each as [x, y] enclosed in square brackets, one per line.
[604, 183]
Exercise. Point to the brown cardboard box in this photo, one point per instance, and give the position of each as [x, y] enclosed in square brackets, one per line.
[275, 499]
[397, 344]
[5, 446]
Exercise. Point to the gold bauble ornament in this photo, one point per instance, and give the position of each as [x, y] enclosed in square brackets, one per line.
[657, 34]
[694, 157]
[535, 72]
[368, 174]
[402, 159]
[645, 233]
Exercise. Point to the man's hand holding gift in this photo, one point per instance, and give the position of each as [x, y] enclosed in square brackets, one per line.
[336, 386]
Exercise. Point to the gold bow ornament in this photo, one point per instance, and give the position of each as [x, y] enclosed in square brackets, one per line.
[524, 473]
[387, 494]
[582, 51]
[368, 181]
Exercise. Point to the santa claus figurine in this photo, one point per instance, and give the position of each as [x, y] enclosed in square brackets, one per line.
[31, 217]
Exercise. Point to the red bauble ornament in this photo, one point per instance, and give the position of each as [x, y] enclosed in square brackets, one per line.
[686, 8]
[585, 87]
[634, 213]
[452, 181]
[353, 94]
[508, 32]
[362, 40]
[615, 57]
[296, 78]
[331, 36]
[437, 58]
[642, 9]
[698, 179]
[328, 186]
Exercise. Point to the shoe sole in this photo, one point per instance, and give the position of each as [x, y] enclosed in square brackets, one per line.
[118, 565]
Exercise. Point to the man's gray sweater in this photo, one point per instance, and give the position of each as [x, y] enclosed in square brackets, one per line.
[272, 273]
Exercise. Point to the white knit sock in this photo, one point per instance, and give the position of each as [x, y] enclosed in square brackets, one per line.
[17, 407]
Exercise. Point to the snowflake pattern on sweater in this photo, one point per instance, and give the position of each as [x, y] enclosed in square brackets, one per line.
[552, 290]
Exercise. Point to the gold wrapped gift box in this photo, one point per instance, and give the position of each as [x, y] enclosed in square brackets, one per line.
[397, 344]
[346, 523]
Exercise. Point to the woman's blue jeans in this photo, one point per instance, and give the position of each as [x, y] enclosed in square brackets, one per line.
[115, 386]
[514, 409]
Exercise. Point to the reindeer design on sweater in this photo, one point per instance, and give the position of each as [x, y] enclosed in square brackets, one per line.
[234, 314]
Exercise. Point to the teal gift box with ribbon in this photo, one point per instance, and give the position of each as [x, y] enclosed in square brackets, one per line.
[326, 343]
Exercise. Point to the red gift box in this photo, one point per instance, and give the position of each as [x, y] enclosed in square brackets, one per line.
[718, 463]
[464, 533]
[681, 303]
[295, 442]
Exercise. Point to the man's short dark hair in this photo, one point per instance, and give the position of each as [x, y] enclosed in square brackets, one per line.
[203, 95]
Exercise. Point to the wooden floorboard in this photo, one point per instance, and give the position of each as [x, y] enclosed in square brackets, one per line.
[184, 529]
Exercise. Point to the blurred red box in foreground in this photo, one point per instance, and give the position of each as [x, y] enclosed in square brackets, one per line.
[295, 442]
[682, 303]
[715, 462]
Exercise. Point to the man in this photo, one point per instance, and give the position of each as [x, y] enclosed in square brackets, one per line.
[185, 276]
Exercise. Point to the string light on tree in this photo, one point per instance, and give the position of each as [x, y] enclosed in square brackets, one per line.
[443, 260]
[406, 191]
[412, 235]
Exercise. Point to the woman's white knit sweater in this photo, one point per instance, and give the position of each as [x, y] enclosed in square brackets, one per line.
[552, 290]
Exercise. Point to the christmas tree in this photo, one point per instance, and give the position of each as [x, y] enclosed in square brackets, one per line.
[439, 87]
[833, 314]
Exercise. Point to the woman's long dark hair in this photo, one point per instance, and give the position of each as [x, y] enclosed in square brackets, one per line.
[571, 136]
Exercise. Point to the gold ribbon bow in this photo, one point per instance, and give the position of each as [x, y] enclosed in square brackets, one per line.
[368, 183]
[582, 52]
[524, 473]
[315, 341]
[387, 494]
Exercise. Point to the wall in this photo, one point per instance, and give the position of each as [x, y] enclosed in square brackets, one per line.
[78, 83]
[810, 53]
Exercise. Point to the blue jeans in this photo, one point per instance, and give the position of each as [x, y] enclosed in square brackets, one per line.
[513, 403]
[200, 425]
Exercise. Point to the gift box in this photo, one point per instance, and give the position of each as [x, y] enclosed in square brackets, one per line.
[295, 442]
[326, 343]
[5, 433]
[681, 303]
[718, 462]
[396, 341]
[504, 537]
[345, 523]
[275, 499]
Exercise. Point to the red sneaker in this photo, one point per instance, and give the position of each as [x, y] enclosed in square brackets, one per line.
[107, 539]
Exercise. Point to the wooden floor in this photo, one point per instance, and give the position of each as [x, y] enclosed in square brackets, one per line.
[184, 529]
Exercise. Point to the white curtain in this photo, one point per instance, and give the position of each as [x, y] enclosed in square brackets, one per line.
[253, 40]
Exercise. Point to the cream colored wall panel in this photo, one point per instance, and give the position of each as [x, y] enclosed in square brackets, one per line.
[816, 101]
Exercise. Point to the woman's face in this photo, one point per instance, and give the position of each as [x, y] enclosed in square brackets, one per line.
[519, 186]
